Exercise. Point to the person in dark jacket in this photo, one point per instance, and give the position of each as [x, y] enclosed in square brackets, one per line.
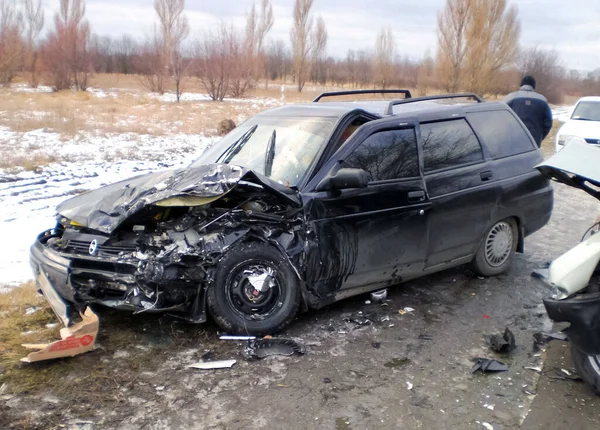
[532, 108]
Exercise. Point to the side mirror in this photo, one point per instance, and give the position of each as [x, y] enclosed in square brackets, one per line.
[344, 179]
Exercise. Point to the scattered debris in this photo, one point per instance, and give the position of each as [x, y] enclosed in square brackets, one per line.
[230, 337]
[565, 374]
[424, 336]
[207, 365]
[379, 296]
[409, 385]
[361, 318]
[31, 310]
[535, 369]
[489, 365]
[541, 338]
[75, 339]
[376, 345]
[406, 310]
[502, 342]
[490, 407]
[52, 325]
[326, 381]
[487, 426]
[367, 302]
[397, 362]
[487, 317]
[261, 348]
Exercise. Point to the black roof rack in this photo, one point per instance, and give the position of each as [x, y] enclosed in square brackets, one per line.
[390, 109]
[406, 93]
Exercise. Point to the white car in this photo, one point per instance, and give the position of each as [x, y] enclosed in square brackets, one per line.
[583, 124]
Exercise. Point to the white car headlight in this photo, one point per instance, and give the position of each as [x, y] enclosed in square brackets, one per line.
[566, 139]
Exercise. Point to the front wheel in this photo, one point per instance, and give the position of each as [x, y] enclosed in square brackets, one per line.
[588, 367]
[496, 252]
[255, 291]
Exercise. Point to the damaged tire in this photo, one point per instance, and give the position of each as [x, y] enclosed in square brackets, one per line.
[497, 249]
[255, 291]
[588, 367]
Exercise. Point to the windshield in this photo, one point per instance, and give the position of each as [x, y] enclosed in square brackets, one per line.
[588, 111]
[284, 145]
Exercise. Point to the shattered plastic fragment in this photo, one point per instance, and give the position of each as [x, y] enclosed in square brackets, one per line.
[535, 369]
[409, 385]
[261, 348]
[224, 364]
[379, 296]
[233, 337]
[502, 342]
[489, 365]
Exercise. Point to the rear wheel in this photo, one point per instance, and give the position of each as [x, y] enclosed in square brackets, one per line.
[588, 367]
[496, 252]
[255, 291]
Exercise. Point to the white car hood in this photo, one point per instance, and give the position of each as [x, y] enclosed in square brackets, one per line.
[585, 129]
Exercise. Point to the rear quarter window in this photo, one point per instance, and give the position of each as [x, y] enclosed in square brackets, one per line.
[501, 133]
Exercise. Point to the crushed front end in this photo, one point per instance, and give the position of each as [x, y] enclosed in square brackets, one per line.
[161, 258]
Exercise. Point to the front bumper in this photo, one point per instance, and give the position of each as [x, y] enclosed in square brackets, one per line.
[79, 280]
[583, 312]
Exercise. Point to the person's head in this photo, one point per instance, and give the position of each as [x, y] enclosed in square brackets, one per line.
[528, 80]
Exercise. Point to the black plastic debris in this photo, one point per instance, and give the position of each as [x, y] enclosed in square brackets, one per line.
[489, 365]
[261, 348]
[361, 318]
[502, 342]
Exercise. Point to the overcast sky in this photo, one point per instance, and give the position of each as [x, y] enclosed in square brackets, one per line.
[572, 27]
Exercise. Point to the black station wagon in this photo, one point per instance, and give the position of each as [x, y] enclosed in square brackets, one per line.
[301, 206]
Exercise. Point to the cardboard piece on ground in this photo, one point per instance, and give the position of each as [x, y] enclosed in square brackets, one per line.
[77, 339]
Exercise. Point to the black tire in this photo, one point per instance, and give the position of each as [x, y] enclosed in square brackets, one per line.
[237, 306]
[588, 367]
[497, 249]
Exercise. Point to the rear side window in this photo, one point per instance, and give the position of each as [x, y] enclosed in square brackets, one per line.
[501, 132]
[387, 155]
[449, 144]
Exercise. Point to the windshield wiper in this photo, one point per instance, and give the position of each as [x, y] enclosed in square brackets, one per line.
[270, 155]
[236, 147]
[582, 118]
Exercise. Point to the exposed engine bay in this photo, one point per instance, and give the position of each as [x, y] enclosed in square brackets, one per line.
[162, 257]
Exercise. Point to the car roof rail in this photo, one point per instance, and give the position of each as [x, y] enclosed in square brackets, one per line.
[406, 93]
[390, 109]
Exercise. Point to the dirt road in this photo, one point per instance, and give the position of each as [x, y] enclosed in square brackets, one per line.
[410, 370]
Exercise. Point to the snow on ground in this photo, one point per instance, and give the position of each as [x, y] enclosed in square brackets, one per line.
[559, 112]
[24, 88]
[29, 198]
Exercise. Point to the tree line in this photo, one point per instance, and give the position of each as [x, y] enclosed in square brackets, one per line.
[478, 51]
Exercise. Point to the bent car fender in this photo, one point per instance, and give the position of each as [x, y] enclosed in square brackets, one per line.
[571, 272]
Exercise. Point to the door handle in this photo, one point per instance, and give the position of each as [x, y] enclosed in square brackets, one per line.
[487, 175]
[416, 196]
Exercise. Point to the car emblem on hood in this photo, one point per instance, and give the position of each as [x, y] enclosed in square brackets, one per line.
[93, 247]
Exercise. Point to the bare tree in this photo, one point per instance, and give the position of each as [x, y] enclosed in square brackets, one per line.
[492, 43]
[452, 42]
[11, 42]
[66, 52]
[213, 66]
[547, 68]
[34, 22]
[151, 65]
[477, 39]
[174, 28]
[300, 38]
[319, 45]
[385, 49]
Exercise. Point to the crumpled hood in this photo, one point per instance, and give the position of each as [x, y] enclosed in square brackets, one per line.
[575, 165]
[585, 129]
[106, 208]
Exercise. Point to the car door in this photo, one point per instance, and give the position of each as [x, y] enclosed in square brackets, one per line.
[462, 190]
[374, 234]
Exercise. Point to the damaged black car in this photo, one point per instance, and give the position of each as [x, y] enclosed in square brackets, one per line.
[301, 206]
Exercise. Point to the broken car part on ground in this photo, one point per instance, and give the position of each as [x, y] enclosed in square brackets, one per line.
[333, 200]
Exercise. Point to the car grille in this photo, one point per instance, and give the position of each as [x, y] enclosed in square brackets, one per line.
[81, 247]
[593, 141]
